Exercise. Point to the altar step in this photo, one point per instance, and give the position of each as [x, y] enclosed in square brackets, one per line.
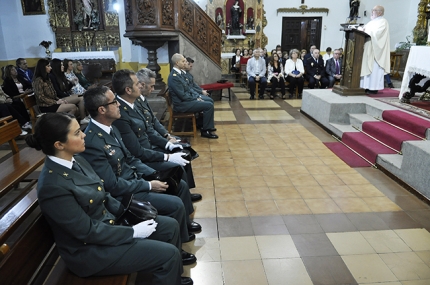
[340, 114]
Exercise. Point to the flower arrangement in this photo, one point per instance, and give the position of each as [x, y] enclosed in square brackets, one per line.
[45, 44]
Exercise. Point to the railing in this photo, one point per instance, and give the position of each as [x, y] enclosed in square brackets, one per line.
[166, 18]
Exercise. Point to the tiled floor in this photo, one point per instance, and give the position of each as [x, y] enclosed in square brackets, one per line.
[280, 208]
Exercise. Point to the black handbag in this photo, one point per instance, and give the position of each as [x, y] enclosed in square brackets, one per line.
[135, 211]
[172, 176]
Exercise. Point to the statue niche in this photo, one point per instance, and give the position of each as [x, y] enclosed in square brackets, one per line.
[219, 19]
[234, 11]
[86, 15]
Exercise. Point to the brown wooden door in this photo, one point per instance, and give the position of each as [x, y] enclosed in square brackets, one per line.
[300, 32]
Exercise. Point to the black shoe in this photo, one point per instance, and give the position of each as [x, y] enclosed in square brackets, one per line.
[195, 197]
[391, 85]
[186, 281]
[188, 258]
[208, 134]
[212, 130]
[191, 237]
[251, 97]
[372, 92]
[194, 227]
[261, 97]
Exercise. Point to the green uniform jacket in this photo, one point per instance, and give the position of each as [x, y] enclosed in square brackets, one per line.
[150, 117]
[132, 124]
[180, 91]
[81, 215]
[112, 161]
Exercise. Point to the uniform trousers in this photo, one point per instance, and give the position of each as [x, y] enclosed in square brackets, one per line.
[159, 254]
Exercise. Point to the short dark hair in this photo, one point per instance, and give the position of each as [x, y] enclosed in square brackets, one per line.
[190, 60]
[18, 61]
[94, 98]
[121, 80]
[49, 128]
[328, 49]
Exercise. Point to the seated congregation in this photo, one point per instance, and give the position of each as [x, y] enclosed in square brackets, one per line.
[287, 71]
[118, 192]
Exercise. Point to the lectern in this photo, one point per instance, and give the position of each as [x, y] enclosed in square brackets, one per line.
[351, 64]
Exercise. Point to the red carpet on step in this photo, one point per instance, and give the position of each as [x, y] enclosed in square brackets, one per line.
[387, 134]
[347, 155]
[414, 124]
[364, 145]
[387, 92]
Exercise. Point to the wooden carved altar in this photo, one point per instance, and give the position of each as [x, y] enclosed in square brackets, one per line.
[84, 25]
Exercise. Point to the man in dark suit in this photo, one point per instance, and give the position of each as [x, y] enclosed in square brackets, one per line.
[314, 67]
[184, 100]
[308, 55]
[23, 72]
[122, 173]
[141, 139]
[334, 68]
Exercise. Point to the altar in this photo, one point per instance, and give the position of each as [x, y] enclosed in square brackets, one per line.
[418, 62]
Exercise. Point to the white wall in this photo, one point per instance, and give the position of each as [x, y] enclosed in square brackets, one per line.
[401, 15]
[21, 35]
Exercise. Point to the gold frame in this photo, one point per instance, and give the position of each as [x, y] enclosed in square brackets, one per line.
[26, 13]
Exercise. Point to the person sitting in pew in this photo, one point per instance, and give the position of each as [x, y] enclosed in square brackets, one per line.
[24, 73]
[333, 68]
[46, 97]
[193, 85]
[147, 80]
[77, 69]
[82, 214]
[124, 174]
[16, 109]
[139, 137]
[14, 85]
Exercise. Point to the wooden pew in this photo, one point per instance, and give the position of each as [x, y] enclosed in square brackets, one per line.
[27, 250]
[22, 163]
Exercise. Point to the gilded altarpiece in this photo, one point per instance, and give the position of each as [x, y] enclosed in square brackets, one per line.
[253, 38]
[84, 25]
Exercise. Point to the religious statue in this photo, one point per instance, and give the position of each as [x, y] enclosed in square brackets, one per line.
[88, 17]
[235, 12]
[250, 23]
[219, 21]
[353, 10]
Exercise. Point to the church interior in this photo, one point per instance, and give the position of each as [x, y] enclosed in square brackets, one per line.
[285, 199]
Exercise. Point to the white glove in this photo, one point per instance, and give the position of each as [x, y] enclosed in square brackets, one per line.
[171, 146]
[144, 229]
[177, 158]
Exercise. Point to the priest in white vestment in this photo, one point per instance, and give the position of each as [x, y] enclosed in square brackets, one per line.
[376, 55]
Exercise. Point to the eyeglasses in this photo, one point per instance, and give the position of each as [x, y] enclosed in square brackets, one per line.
[111, 103]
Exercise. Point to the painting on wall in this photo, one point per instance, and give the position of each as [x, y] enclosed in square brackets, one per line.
[33, 7]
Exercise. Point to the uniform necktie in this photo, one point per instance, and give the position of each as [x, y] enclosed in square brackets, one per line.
[76, 167]
[337, 67]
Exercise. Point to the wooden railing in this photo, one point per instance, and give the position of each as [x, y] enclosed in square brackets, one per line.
[165, 19]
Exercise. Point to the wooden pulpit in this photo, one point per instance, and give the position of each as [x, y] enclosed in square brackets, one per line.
[351, 64]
